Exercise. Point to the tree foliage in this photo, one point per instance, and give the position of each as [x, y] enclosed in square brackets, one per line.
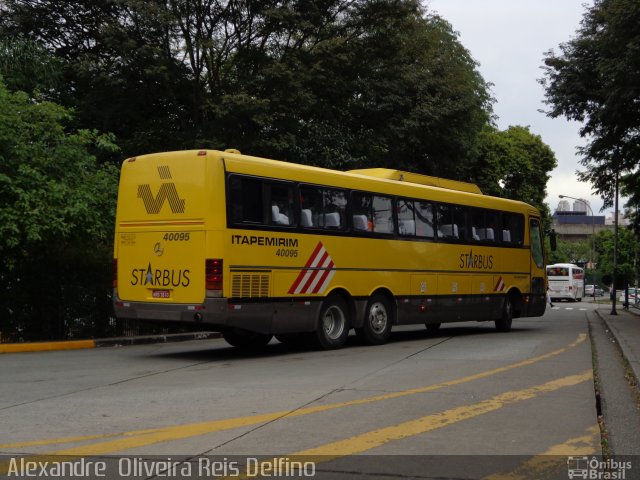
[595, 79]
[627, 255]
[56, 214]
[515, 164]
[334, 83]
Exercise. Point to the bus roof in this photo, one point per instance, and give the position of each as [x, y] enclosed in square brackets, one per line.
[400, 176]
[392, 182]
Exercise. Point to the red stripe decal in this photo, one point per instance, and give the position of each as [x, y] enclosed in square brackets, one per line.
[314, 274]
[325, 274]
[306, 267]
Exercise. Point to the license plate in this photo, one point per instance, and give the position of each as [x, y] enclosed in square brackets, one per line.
[161, 294]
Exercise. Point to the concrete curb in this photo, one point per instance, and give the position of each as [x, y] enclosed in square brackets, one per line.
[46, 346]
[105, 342]
[623, 339]
[147, 339]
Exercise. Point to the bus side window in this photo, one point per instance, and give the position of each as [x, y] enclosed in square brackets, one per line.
[281, 204]
[246, 200]
[478, 226]
[322, 207]
[311, 206]
[335, 205]
[424, 219]
[362, 212]
[447, 228]
[513, 229]
[460, 221]
[406, 218]
[382, 214]
[492, 232]
[371, 213]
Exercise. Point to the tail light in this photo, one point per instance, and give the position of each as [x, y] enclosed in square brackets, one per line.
[213, 277]
[115, 273]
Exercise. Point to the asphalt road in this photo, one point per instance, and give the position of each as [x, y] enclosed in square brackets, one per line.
[466, 402]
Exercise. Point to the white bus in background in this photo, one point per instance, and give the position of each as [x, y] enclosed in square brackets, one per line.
[566, 281]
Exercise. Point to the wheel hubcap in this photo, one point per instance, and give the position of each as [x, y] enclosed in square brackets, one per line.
[378, 317]
[333, 322]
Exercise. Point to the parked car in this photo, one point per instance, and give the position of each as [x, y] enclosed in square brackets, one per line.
[633, 296]
[599, 291]
[588, 290]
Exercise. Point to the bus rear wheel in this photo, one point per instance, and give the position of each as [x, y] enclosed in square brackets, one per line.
[237, 337]
[503, 324]
[377, 321]
[333, 324]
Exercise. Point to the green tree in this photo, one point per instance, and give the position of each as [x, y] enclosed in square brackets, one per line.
[595, 79]
[628, 246]
[56, 218]
[335, 83]
[120, 71]
[28, 67]
[514, 163]
[570, 252]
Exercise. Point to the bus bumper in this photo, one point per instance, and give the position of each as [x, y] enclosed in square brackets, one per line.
[219, 314]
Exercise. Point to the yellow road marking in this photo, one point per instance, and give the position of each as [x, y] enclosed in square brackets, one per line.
[378, 438]
[140, 438]
[554, 458]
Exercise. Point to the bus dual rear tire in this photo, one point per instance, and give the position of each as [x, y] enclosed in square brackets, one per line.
[333, 325]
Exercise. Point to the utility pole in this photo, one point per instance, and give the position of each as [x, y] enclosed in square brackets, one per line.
[615, 249]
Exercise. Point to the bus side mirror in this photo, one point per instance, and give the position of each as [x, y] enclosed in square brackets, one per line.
[552, 240]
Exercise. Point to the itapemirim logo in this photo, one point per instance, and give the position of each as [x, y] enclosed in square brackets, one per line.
[168, 191]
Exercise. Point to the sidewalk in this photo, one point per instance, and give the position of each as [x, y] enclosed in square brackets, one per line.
[104, 342]
[626, 329]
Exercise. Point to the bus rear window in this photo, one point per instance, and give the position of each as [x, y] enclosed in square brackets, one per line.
[557, 272]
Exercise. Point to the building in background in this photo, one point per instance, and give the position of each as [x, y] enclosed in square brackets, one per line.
[576, 225]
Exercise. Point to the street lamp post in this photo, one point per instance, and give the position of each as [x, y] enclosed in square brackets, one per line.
[593, 236]
[615, 247]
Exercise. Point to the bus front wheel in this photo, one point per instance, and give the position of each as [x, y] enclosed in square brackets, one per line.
[503, 324]
[333, 324]
[377, 321]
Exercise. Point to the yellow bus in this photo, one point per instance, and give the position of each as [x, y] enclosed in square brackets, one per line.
[252, 248]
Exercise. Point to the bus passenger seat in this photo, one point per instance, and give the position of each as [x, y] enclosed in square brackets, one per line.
[475, 234]
[450, 230]
[506, 235]
[360, 222]
[306, 219]
[275, 213]
[332, 219]
[489, 234]
[277, 217]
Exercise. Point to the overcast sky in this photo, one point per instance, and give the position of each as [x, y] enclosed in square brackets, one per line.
[508, 38]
